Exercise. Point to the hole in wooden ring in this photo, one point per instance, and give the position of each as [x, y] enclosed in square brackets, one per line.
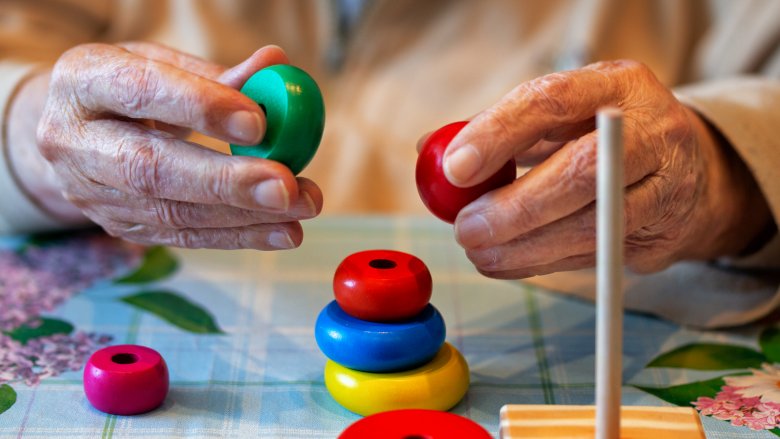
[384, 264]
[124, 358]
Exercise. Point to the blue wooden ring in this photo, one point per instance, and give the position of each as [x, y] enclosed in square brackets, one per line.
[379, 347]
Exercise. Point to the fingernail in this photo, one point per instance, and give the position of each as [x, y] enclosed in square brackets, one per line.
[246, 127]
[472, 231]
[280, 240]
[272, 194]
[304, 207]
[462, 164]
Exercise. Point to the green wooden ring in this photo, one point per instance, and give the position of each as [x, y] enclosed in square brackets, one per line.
[295, 116]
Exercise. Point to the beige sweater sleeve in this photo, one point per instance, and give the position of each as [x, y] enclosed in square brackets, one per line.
[745, 110]
[17, 211]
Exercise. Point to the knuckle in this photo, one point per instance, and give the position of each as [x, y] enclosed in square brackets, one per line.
[500, 123]
[243, 239]
[579, 175]
[70, 61]
[649, 251]
[134, 87]
[171, 214]
[185, 239]
[626, 66]
[586, 229]
[631, 65]
[225, 180]
[194, 109]
[677, 129]
[549, 94]
[139, 166]
[525, 215]
[76, 68]
[49, 139]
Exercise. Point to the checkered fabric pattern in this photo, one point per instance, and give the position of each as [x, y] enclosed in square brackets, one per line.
[263, 378]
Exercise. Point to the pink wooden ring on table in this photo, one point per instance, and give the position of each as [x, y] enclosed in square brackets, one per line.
[382, 285]
[428, 424]
[126, 379]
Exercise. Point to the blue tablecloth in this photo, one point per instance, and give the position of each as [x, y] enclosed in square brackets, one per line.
[262, 375]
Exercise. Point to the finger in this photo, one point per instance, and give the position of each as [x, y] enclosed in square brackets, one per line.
[571, 263]
[574, 234]
[182, 215]
[235, 77]
[561, 185]
[148, 163]
[538, 153]
[260, 237]
[125, 84]
[421, 141]
[181, 60]
[552, 107]
[311, 194]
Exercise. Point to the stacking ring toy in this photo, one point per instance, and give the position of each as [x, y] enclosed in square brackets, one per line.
[440, 196]
[126, 379]
[295, 116]
[382, 285]
[428, 424]
[379, 347]
[437, 385]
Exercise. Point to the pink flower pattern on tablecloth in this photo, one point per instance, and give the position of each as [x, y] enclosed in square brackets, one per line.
[38, 279]
[45, 357]
[730, 405]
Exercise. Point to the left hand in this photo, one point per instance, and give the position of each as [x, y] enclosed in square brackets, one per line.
[687, 197]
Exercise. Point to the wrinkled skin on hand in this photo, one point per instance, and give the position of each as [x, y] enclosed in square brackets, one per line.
[113, 130]
[686, 195]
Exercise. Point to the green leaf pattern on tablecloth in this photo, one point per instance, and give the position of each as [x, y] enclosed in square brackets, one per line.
[769, 340]
[748, 397]
[7, 397]
[176, 310]
[683, 394]
[47, 326]
[158, 264]
[710, 356]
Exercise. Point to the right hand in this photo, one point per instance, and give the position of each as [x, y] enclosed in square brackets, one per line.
[112, 129]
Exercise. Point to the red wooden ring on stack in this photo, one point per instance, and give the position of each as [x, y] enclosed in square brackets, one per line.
[382, 285]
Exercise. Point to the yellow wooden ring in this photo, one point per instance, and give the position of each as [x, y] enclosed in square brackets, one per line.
[437, 385]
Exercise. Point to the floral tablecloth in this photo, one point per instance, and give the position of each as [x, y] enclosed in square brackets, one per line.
[236, 329]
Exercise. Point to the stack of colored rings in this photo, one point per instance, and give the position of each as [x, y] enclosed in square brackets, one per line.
[384, 341]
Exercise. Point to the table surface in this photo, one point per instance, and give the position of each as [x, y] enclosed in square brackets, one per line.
[262, 377]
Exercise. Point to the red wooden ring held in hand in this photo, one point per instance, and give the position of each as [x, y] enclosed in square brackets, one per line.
[126, 379]
[382, 285]
[428, 424]
[439, 195]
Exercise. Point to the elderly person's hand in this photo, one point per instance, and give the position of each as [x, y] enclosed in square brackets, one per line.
[113, 129]
[687, 195]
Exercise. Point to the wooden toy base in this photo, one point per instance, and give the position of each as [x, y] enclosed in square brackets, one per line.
[578, 421]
